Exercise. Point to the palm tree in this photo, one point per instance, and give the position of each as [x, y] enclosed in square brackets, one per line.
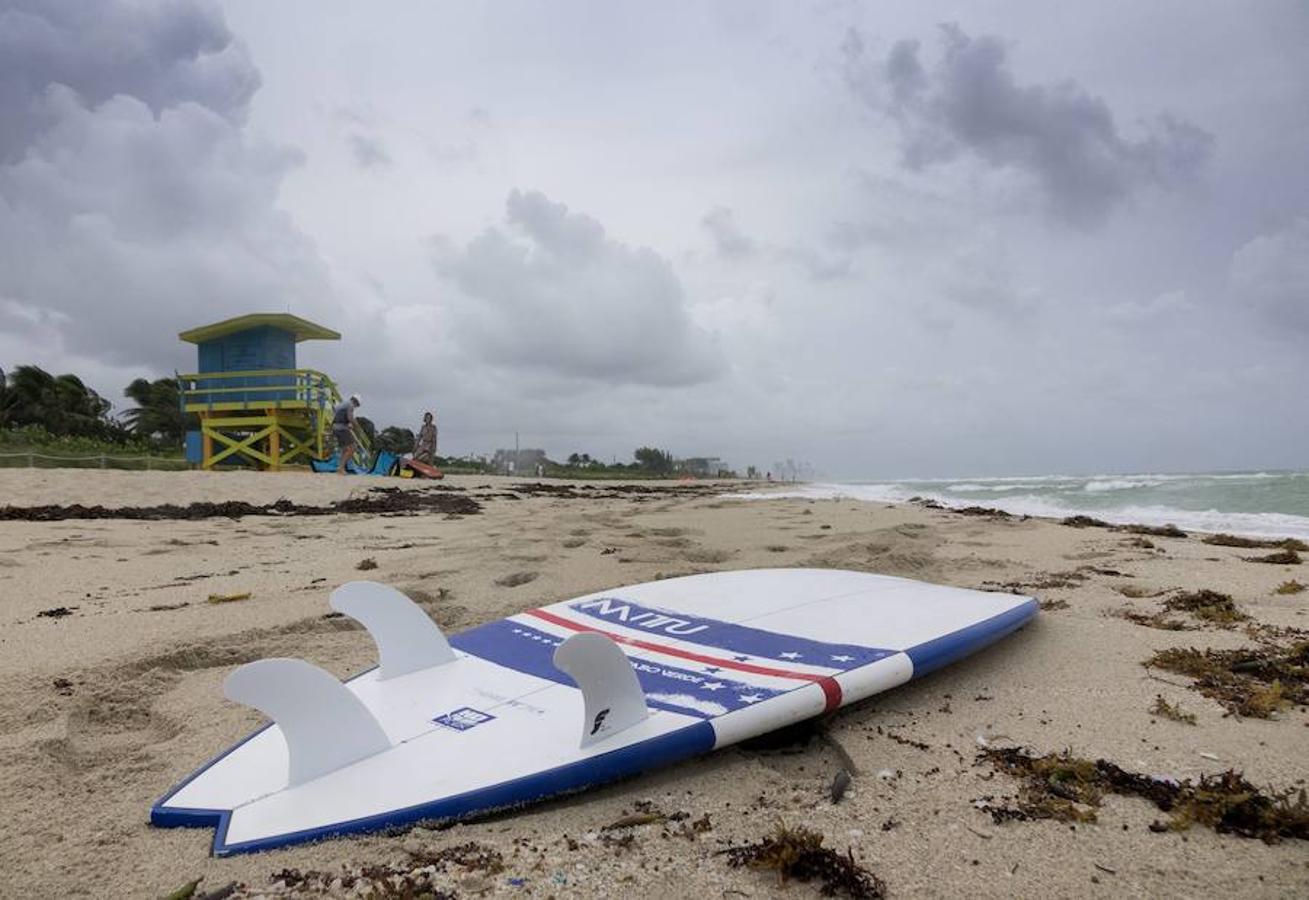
[158, 413]
[62, 405]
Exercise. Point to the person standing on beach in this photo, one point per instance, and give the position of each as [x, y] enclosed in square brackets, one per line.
[425, 450]
[343, 421]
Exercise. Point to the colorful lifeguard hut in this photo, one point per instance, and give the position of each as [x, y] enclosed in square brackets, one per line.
[255, 406]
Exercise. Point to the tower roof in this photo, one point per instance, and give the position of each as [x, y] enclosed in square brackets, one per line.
[301, 329]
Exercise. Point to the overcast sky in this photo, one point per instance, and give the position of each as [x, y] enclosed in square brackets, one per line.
[889, 239]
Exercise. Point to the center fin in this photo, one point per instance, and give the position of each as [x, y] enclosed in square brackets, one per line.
[407, 639]
[612, 695]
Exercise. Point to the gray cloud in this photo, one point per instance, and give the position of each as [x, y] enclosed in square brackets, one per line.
[729, 240]
[128, 187]
[1061, 136]
[557, 296]
[369, 152]
[162, 54]
[1271, 273]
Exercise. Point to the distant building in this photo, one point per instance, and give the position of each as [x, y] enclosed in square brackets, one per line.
[518, 462]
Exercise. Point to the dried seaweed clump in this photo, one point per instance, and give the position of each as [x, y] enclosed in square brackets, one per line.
[1085, 522]
[1208, 605]
[1231, 540]
[1067, 788]
[1280, 558]
[1254, 682]
[1289, 587]
[799, 853]
[1166, 710]
[1170, 530]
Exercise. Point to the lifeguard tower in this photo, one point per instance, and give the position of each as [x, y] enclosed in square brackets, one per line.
[256, 408]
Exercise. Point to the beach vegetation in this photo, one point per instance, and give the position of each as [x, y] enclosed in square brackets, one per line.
[157, 416]
[1289, 587]
[651, 459]
[1254, 683]
[796, 852]
[1231, 540]
[1280, 558]
[1166, 710]
[1067, 788]
[1209, 606]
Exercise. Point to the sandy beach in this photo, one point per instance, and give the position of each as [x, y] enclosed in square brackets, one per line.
[112, 702]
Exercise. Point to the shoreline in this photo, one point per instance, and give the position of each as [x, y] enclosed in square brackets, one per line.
[114, 702]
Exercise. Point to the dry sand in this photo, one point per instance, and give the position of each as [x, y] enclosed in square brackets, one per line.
[106, 708]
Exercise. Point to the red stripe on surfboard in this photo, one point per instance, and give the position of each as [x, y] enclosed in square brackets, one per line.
[831, 689]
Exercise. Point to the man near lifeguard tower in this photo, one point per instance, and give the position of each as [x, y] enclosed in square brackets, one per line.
[343, 420]
[425, 451]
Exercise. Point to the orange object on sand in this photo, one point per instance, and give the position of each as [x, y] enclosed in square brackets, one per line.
[422, 469]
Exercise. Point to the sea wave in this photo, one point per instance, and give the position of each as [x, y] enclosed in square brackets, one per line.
[1254, 524]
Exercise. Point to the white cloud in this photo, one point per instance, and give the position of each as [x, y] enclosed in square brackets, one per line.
[1271, 273]
[554, 294]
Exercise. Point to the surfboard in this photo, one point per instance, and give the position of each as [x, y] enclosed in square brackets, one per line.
[563, 697]
[422, 468]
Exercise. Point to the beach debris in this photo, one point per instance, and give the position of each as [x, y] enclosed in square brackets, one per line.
[63, 687]
[516, 578]
[840, 784]
[185, 892]
[230, 598]
[1053, 605]
[1170, 530]
[1154, 620]
[1166, 710]
[443, 499]
[635, 820]
[1289, 587]
[1231, 540]
[1254, 682]
[1084, 522]
[1066, 788]
[57, 612]
[366, 565]
[1280, 558]
[1210, 606]
[798, 853]
[166, 607]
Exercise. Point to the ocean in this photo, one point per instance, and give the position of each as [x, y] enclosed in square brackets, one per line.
[1272, 504]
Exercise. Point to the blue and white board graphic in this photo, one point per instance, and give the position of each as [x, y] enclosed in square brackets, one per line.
[563, 697]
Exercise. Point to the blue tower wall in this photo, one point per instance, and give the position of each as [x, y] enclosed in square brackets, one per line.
[263, 347]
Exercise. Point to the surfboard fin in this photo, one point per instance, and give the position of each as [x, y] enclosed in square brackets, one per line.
[325, 725]
[612, 695]
[407, 639]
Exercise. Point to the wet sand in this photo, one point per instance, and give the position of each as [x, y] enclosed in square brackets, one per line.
[112, 702]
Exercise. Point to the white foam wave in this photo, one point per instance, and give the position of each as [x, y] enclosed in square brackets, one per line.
[1267, 524]
[1120, 484]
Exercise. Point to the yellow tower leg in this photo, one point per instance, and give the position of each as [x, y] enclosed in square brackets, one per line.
[274, 445]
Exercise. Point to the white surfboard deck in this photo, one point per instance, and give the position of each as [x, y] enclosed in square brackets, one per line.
[720, 658]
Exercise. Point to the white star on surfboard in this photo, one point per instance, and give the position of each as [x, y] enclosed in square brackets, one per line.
[749, 698]
[712, 685]
[790, 655]
[842, 658]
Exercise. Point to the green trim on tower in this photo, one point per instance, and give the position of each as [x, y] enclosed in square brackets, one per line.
[300, 329]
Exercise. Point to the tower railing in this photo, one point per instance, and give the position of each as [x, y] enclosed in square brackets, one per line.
[267, 392]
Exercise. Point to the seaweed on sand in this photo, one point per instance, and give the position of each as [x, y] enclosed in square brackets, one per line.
[1280, 558]
[1232, 540]
[376, 502]
[1208, 605]
[799, 853]
[1289, 587]
[1066, 788]
[1254, 682]
[1168, 711]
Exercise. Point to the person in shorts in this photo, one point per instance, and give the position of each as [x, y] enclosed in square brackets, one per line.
[343, 420]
